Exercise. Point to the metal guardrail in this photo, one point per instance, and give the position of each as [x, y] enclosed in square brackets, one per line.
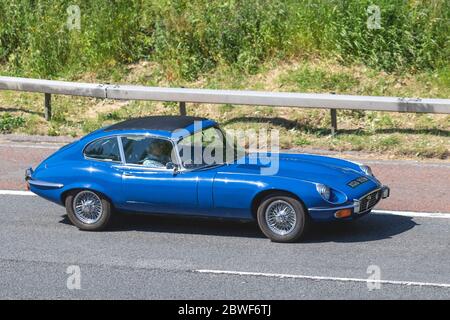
[237, 97]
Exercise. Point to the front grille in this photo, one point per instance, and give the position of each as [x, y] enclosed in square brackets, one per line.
[369, 201]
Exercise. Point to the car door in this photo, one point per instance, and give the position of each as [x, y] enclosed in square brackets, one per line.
[147, 184]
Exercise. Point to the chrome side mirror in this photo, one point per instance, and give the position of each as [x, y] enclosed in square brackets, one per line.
[172, 166]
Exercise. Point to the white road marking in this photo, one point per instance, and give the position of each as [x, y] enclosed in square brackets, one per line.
[295, 276]
[17, 193]
[414, 214]
[397, 213]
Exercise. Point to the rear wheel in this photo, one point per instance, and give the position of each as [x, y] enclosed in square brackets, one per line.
[88, 210]
[282, 218]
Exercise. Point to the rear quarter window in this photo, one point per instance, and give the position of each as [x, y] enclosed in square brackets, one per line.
[106, 149]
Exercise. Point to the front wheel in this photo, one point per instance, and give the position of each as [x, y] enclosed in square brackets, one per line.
[88, 210]
[282, 218]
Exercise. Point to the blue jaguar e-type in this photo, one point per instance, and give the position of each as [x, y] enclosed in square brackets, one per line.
[165, 164]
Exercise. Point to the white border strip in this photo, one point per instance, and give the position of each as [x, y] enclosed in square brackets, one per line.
[17, 193]
[293, 276]
[415, 214]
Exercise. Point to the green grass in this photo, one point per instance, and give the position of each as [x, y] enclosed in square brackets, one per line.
[308, 79]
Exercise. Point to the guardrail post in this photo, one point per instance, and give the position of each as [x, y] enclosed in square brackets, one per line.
[48, 106]
[333, 121]
[182, 108]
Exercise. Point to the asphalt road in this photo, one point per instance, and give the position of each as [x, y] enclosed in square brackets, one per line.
[153, 257]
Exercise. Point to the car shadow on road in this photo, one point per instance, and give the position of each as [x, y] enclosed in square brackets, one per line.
[182, 225]
[370, 228]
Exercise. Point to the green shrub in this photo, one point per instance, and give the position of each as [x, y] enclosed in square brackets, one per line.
[189, 37]
[9, 122]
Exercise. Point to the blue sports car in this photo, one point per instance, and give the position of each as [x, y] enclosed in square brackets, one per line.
[152, 165]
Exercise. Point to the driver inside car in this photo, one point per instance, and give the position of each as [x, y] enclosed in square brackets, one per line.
[158, 154]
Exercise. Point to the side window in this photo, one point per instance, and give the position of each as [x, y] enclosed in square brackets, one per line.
[147, 151]
[103, 149]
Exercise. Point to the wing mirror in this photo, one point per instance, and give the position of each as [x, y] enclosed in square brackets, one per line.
[172, 166]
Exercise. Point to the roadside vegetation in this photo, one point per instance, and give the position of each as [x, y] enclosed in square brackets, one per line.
[291, 45]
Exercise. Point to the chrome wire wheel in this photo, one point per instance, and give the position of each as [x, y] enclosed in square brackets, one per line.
[281, 217]
[87, 207]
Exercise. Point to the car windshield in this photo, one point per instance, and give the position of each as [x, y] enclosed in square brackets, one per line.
[208, 147]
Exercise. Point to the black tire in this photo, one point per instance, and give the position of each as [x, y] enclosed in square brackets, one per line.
[301, 224]
[105, 215]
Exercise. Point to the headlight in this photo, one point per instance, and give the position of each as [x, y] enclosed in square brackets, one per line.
[324, 191]
[366, 170]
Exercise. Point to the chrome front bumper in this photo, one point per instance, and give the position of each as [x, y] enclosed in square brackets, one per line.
[28, 173]
[370, 200]
[383, 191]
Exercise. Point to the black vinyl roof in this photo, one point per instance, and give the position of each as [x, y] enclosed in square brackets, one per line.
[163, 123]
